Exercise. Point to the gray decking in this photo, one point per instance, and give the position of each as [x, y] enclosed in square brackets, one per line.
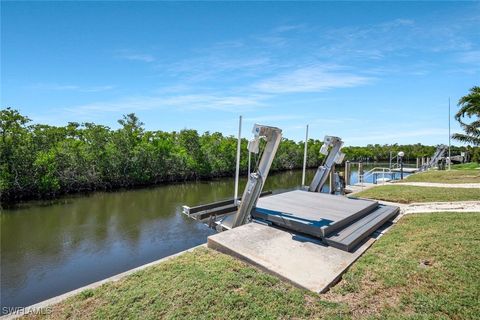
[353, 234]
[339, 221]
[313, 213]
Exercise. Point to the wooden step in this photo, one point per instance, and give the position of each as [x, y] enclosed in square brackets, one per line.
[351, 235]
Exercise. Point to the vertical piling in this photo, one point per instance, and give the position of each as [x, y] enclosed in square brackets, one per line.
[237, 169]
[418, 162]
[347, 173]
[401, 169]
[360, 172]
[449, 137]
[305, 157]
[332, 180]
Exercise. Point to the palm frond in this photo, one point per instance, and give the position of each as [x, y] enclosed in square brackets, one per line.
[466, 138]
[469, 107]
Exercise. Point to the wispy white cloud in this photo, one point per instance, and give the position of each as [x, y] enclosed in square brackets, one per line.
[280, 36]
[96, 89]
[275, 117]
[214, 65]
[273, 40]
[227, 103]
[398, 38]
[470, 57]
[396, 135]
[70, 87]
[135, 56]
[314, 78]
[335, 121]
[288, 27]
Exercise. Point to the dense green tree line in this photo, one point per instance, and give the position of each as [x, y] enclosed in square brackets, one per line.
[39, 160]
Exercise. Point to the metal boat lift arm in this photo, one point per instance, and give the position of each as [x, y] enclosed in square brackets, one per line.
[441, 149]
[256, 180]
[334, 156]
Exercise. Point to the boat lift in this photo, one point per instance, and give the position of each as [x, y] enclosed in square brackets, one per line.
[335, 220]
[334, 156]
[441, 149]
[256, 180]
[228, 214]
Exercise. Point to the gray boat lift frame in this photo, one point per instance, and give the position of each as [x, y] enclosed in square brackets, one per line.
[334, 156]
[228, 214]
[441, 149]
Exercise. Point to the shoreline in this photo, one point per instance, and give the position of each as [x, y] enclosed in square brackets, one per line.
[10, 203]
[43, 306]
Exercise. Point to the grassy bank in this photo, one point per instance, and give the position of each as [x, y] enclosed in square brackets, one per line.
[425, 267]
[443, 176]
[467, 166]
[201, 284]
[409, 194]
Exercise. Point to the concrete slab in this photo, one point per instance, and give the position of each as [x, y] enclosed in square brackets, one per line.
[359, 187]
[303, 261]
[406, 170]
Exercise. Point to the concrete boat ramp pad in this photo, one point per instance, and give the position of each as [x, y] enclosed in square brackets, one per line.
[305, 262]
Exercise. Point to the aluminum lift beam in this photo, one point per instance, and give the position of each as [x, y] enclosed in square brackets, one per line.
[441, 149]
[228, 214]
[256, 180]
[333, 156]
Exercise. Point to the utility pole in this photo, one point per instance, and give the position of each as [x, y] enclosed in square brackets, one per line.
[305, 157]
[449, 137]
[237, 169]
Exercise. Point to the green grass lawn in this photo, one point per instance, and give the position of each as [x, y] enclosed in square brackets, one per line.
[409, 194]
[467, 166]
[425, 267]
[444, 176]
[202, 284]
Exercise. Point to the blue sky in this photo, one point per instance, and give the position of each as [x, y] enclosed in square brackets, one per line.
[368, 72]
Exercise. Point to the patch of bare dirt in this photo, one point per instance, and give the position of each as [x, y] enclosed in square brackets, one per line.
[371, 298]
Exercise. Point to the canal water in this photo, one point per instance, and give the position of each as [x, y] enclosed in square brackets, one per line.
[51, 247]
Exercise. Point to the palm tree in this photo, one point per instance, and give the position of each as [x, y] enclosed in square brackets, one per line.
[469, 108]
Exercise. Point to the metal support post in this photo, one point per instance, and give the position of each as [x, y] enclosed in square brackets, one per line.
[305, 157]
[237, 169]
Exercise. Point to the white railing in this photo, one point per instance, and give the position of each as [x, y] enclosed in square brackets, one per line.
[373, 171]
[395, 165]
